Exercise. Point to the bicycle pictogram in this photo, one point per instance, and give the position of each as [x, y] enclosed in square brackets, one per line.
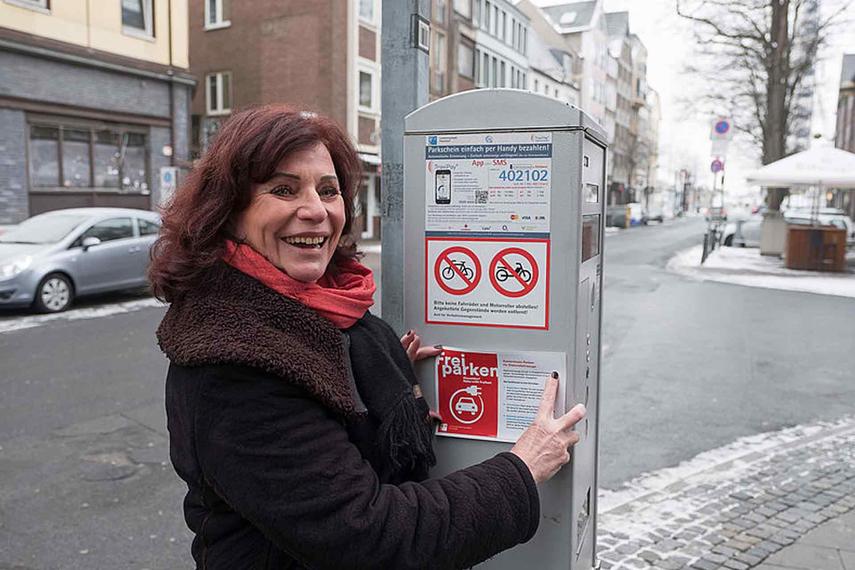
[448, 271]
[503, 273]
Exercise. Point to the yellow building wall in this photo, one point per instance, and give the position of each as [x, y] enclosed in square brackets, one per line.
[97, 24]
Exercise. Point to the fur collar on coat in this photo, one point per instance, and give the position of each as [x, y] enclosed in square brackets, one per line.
[234, 319]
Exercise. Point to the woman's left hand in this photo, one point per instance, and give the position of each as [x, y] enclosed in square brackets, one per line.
[413, 345]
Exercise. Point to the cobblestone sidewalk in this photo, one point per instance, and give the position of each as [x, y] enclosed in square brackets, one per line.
[732, 514]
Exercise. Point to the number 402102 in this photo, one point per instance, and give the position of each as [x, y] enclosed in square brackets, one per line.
[524, 175]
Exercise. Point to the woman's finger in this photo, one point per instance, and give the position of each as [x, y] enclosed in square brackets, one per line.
[407, 339]
[428, 352]
[571, 418]
[547, 403]
[413, 349]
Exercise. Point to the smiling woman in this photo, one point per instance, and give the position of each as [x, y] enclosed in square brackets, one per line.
[294, 414]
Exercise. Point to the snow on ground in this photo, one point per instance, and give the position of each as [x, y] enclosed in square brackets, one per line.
[745, 266]
[721, 463]
[28, 322]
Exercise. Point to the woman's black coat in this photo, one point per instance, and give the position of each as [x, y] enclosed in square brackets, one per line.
[266, 428]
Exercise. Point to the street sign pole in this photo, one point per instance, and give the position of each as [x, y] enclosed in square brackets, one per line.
[405, 39]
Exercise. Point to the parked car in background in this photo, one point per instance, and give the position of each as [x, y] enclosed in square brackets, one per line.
[652, 213]
[743, 233]
[50, 259]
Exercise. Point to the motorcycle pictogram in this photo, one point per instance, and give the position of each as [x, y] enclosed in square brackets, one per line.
[503, 274]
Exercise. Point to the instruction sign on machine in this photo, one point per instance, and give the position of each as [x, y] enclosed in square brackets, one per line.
[503, 219]
[487, 229]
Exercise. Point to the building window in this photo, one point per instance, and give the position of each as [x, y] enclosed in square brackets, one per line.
[105, 156]
[438, 63]
[76, 167]
[44, 156]
[494, 78]
[502, 74]
[367, 89]
[536, 85]
[215, 14]
[465, 61]
[487, 16]
[485, 71]
[98, 156]
[366, 11]
[464, 7]
[31, 4]
[137, 17]
[439, 11]
[218, 93]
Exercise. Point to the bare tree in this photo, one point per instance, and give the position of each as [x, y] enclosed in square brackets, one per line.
[756, 59]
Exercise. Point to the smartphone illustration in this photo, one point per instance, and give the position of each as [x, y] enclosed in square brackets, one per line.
[442, 188]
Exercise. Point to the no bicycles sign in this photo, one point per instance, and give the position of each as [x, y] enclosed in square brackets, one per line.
[457, 270]
[514, 293]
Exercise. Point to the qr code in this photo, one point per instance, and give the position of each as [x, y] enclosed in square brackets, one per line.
[481, 196]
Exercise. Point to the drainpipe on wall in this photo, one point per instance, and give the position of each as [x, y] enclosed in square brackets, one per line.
[170, 73]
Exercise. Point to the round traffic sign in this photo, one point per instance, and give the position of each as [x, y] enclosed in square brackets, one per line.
[504, 273]
[717, 166]
[457, 270]
[722, 126]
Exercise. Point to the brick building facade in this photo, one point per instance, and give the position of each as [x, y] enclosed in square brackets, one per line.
[322, 56]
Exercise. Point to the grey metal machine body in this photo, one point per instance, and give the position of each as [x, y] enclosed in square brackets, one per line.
[567, 532]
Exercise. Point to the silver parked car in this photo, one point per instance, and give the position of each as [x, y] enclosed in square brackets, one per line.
[49, 259]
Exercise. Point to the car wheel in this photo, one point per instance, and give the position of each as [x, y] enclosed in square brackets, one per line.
[728, 241]
[54, 294]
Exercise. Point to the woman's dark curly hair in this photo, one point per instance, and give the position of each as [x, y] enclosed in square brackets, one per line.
[246, 151]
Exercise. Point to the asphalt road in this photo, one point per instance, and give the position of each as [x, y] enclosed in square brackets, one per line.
[691, 366]
[688, 367]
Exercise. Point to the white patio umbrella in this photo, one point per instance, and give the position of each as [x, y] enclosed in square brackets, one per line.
[823, 167]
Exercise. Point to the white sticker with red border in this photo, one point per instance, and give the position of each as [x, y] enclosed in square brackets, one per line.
[487, 282]
[493, 395]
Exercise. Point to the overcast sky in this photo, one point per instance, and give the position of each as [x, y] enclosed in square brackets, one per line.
[685, 140]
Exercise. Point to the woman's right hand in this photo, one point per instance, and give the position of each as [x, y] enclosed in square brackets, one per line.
[545, 446]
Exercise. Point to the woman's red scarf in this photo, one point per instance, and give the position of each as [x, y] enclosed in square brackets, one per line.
[342, 297]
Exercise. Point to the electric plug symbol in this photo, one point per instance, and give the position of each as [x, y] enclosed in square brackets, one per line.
[473, 390]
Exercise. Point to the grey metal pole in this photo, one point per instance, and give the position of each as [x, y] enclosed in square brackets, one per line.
[404, 88]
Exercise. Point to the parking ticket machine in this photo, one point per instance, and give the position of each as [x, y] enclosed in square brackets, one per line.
[503, 222]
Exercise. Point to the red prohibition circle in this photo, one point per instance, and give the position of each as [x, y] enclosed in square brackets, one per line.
[444, 257]
[500, 258]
